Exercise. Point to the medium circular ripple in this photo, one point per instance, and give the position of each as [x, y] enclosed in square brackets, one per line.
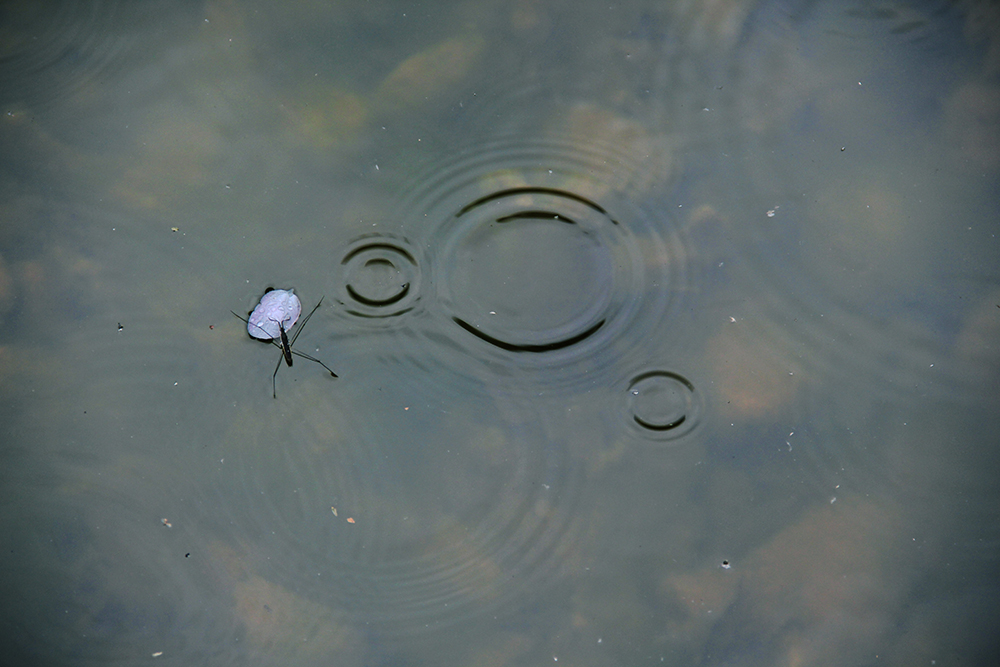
[380, 277]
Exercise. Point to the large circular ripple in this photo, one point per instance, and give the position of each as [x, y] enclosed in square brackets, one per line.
[543, 256]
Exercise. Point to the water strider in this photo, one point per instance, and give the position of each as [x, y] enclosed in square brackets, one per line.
[271, 320]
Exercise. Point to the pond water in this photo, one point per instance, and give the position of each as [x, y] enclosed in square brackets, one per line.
[666, 333]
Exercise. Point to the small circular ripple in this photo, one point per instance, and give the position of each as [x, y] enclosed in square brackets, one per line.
[663, 405]
[380, 277]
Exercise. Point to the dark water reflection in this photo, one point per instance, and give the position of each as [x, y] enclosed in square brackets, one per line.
[665, 334]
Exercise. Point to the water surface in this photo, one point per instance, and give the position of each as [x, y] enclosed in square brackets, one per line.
[665, 333]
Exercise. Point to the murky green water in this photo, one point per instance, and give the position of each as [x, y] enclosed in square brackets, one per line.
[666, 333]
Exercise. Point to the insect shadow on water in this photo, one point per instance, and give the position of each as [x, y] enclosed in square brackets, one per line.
[270, 321]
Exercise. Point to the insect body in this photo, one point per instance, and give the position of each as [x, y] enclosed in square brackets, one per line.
[270, 321]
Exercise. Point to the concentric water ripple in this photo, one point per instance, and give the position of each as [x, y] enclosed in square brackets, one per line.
[827, 256]
[530, 269]
[51, 50]
[380, 277]
[663, 405]
[427, 515]
[538, 261]
[842, 259]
